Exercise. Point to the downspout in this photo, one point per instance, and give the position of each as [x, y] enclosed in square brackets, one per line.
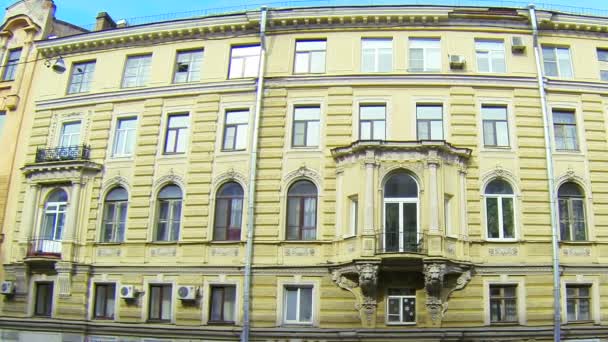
[252, 173]
[551, 180]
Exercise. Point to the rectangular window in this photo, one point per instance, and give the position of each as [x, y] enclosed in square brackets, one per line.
[372, 122]
[244, 61]
[503, 303]
[578, 306]
[44, 299]
[376, 55]
[564, 127]
[500, 216]
[602, 57]
[429, 122]
[557, 61]
[297, 305]
[159, 308]
[70, 134]
[310, 56]
[235, 130]
[81, 78]
[353, 217]
[490, 55]
[222, 307]
[176, 139]
[124, 140]
[401, 306]
[495, 126]
[10, 65]
[2, 120]
[137, 71]
[425, 54]
[447, 215]
[306, 126]
[105, 298]
[188, 66]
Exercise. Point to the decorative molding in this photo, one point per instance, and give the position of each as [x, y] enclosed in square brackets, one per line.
[299, 251]
[171, 178]
[163, 251]
[571, 176]
[304, 172]
[503, 251]
[108, 252]
[439, 285]
[113, 182]
[500, 173]
[225, 251]
[230, 175]
[576, 252]
[361, 280]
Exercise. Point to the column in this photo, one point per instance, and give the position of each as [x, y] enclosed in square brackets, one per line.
[370, 165]
[27, 229]
[433, 196]
[462, 174]
[69, 234]
[339, 212]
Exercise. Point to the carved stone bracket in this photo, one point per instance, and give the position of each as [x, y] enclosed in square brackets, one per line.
[441, 279]
[361, 280]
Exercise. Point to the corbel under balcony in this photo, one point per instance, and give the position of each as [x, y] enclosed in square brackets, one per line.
[61, 164]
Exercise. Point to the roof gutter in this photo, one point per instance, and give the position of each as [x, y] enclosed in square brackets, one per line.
[550, 179]
[252, 181]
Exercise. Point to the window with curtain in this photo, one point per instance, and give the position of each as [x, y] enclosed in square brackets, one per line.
[159, 307]
[302, 211]
[115, 215]
[503, 303]
[228, 212]
[169, 213]
[571, 212]
[222, 305]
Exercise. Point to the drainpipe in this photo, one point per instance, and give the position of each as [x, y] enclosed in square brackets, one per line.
[252, 172]
[551, 180]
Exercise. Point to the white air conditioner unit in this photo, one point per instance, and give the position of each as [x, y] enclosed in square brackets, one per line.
[7, 287]
[457, 61]
[127, 291]
[517, 44]
[186, 292]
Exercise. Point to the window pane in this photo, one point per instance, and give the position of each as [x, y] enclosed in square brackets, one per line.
[317, 62]
[301, 62]
[229, 303]
[155, 305]
[429, 112]
[312, 138]
[379, 130]
[507, 218]
[372, 112]
[291, 304]
[308, 45]
[492, 217]
[502, 134]
[305, 304]
[241, 137]
[166, 303]
[436, 130]
[409, 309]
[217, 294]
[489, 135]
[366, 131]
[410, 226]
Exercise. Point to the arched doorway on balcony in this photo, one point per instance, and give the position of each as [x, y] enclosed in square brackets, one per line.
[400, 214]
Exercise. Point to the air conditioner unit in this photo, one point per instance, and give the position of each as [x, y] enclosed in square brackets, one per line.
[186, 292]
[457, 61]
[7, 287]
[517, 44]
[127, 291]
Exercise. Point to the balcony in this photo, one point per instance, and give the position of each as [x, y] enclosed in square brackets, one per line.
[81, 152]
[395, 242]
[41, 248]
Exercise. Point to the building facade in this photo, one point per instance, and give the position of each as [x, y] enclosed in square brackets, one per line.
[400, 188]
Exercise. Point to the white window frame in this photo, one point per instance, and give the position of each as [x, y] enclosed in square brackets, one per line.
[247, 60]
[579, 141]
[307, 123]
[195, 65]
[401, 297]
[71, 135]
[298, 321]
[359, 120]
[87, 74]
[492, 54]
[2, 121]
[426, 50]
[118, 131]
[309, 53]
[560, 73]
[142, 73]
[443, 124]
[507, 120]
[297, 280]
[376, 52]
[499, 198]
[236, 126]
[401, 201]
[448, 202]
[353, 216]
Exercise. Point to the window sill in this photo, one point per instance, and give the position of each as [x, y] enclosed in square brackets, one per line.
[576, 242]
[568, 152]
[117, 159]
[308, 73]
[108, 243]
[497, 149]
[225, 242]
[399, 323]
[503, 240]
[103, 318]
[349, 237]
[304, 149]
[581, 322]
[504, 323]
[172, 155]
[159, 321]
[220, 322]
[234, 151]
[296, 324]
[227, 153]
[163, 242]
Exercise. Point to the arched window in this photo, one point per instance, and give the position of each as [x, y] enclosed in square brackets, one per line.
[115, 215]
[401, 214]
[169, 212]
[302, 211]
[228, 212]
[53, 222]
[500, 212]
[571, 212]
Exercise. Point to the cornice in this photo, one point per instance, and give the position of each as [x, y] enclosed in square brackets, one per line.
[32, 169]
[142, 93]
[403, 80]
[361, 148]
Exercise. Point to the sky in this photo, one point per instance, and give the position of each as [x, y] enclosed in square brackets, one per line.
[83, 12]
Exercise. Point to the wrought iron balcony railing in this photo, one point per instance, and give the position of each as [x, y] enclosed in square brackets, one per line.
[79, 152]
[406, 242]
[40, 247]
